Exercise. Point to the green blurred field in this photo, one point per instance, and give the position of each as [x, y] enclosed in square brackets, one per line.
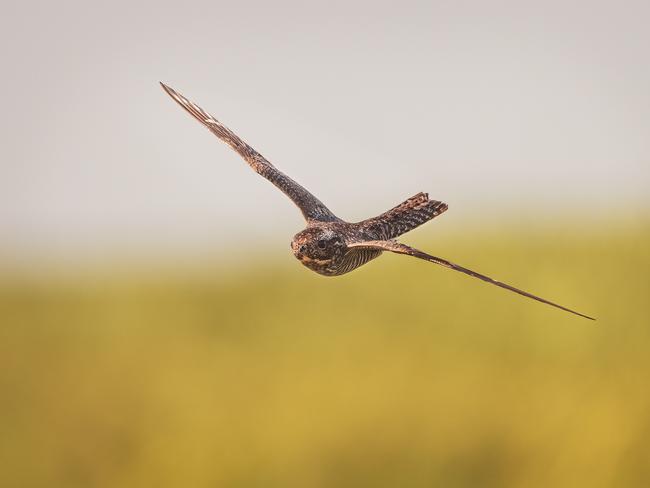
[400, 374]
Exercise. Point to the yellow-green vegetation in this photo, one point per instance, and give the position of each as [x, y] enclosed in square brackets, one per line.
[399, 374]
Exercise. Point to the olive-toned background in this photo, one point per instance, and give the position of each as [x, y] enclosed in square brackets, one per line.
[400, 374]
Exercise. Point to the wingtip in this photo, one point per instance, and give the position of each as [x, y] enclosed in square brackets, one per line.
[171, 92]
[581, 315]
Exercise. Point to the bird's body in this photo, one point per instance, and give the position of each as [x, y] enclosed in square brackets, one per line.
[324, 248]
[329, 245]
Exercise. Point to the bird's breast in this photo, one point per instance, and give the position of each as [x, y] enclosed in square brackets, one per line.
[339, 265]
[355, 258]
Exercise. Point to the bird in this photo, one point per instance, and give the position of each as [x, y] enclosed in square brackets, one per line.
[329, 245]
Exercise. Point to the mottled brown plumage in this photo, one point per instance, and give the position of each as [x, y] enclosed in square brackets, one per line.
[329, 245]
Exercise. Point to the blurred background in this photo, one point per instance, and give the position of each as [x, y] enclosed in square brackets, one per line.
[155, 329]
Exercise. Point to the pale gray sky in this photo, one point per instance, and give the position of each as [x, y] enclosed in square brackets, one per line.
[513, 104]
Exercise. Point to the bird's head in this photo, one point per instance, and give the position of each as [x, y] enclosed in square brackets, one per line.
[319, 249]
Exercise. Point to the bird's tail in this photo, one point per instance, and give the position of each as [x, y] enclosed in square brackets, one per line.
[405, 217]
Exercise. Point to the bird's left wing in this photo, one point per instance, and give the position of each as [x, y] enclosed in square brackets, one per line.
[399, 248]
[312, 208]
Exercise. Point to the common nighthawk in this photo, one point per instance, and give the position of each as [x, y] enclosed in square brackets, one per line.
[329, 245]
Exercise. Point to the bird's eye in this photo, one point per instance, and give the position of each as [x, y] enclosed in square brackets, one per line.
[321, 244]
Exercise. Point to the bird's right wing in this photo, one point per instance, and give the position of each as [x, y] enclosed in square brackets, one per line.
[399, 248]
[312, 208]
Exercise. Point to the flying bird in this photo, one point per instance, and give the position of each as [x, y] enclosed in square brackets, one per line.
[329, 245]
